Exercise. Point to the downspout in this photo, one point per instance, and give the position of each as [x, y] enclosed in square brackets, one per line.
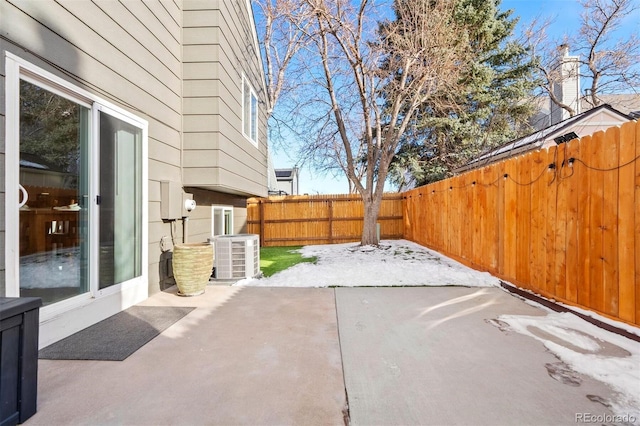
[185, 228]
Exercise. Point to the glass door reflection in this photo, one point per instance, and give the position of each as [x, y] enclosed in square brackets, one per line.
[53, 171]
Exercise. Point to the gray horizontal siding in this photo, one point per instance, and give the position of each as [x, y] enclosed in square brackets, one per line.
[202, 70]
[168, 38]
[62, 40]
[200, 222]
[139, 39]
[127, 52]
[168, 13]
[228, 180]
[218, 50]
[131, 53]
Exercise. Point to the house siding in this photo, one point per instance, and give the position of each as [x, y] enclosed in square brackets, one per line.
[200, 220]
[219, 47]
[176, 64]
[128, 54]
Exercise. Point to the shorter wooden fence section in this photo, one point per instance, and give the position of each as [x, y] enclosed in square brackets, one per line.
[318, 219]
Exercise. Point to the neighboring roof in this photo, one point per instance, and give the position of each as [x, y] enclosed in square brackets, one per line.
[284, 174]
[626, 103]
[537, 139]
[34, 161]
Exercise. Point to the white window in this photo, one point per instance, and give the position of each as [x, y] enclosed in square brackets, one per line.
[79, 164]
[222, 222]
[249, 112]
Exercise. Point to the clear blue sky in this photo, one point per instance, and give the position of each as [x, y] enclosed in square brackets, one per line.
[566, 15]
[530, 9]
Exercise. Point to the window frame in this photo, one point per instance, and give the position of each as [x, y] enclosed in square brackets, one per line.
[250, 111]
[224, 209]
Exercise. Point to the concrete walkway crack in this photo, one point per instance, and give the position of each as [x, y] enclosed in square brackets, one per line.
[345, 410]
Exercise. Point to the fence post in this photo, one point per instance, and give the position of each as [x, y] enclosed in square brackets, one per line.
[330, 221]
[500, 225]
[261, 204]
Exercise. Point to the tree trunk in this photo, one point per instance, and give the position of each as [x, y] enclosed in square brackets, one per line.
[371, 211]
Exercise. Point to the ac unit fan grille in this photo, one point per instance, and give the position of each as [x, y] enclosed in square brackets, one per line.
[237, 256]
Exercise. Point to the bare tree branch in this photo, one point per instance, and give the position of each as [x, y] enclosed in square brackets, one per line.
[608, 63]
[375, 79]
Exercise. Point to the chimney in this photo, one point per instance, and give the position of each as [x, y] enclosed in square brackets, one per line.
[564, 49]
[567, 89]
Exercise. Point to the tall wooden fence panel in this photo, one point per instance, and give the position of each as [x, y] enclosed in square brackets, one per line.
[562, 222]
[318, 219]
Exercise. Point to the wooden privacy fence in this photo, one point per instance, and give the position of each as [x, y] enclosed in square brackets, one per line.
[318, 219]
[562, 222]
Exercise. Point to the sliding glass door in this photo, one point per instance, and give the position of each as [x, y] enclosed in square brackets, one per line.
[80, 217]
[53, 178]
[120, 201]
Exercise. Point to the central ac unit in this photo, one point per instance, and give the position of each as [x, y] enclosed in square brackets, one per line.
[237, 256]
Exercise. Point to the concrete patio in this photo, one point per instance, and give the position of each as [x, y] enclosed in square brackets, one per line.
[295, 356]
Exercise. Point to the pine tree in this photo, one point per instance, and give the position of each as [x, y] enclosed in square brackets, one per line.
[491, 108]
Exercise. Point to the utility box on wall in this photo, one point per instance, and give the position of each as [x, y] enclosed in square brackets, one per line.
[172, 200]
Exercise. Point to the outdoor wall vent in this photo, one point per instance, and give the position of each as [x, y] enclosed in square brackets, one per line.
[237, 256]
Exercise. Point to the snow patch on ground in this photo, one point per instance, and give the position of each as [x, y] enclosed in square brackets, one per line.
[589, 350]
[394, 263]
[51, 269]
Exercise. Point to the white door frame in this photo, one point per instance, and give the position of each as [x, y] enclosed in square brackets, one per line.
[128, 293]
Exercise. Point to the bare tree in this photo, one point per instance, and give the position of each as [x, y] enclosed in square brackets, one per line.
[605, 63]
[371, 81]
[548, 56]
[612, 65]
[282, 27]
[284, 31]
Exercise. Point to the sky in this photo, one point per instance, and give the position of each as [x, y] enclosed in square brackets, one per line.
[314, 182]
[585, 348]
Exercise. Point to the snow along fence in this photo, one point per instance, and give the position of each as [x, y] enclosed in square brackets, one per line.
[562, 222]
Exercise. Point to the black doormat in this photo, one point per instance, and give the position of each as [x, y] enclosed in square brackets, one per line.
[118, 336]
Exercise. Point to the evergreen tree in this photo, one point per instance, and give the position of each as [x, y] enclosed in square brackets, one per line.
[49, 128]
[490, 109]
